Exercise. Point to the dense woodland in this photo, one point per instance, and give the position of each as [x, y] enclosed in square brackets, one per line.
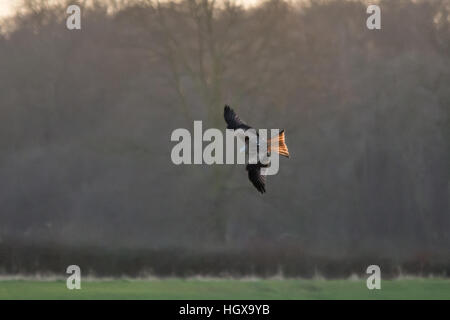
[86, 117]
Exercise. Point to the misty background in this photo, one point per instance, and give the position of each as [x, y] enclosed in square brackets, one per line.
[86, 117]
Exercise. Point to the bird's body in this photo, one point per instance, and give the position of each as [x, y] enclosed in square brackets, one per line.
[276, 144]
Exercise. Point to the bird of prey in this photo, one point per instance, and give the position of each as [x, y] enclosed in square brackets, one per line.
[254, 170]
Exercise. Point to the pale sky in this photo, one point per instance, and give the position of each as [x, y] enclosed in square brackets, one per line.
[6, 6]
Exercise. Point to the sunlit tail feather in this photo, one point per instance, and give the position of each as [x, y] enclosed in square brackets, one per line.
[278, 145]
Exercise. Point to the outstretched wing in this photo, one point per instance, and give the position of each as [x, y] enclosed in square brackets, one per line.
[232, 120]
[254, 175]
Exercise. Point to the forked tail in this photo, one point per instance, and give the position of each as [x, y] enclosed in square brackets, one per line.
[278, 144]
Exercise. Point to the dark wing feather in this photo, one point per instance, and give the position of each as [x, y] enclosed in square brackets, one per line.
[232, 120]
[254, 175]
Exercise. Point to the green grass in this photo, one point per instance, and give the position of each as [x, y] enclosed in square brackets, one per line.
[227, 289]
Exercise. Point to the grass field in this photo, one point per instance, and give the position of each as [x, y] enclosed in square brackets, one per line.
[227, 289]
